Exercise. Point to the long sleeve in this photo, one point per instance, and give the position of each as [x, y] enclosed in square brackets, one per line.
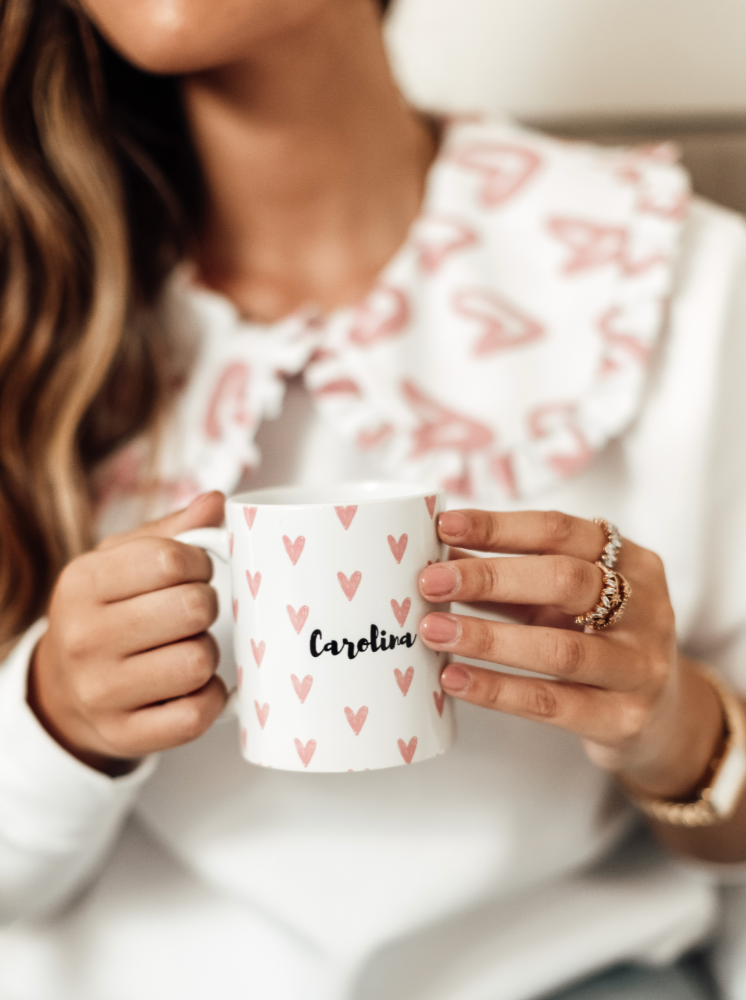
[717, 632]
[58, 817]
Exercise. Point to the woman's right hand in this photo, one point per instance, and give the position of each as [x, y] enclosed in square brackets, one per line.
[126, 666]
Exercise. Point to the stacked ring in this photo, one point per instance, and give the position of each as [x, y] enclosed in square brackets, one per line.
[615, 591]
[613, 542]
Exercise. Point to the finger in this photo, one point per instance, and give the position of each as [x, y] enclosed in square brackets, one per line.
[568, 655]
[171, 724]
[205, 511]
[572, 585]
[649, 609]
[588, 711]
[172, 671]
[539, 532]
[162, 617]
[526, 614]
[142, 565]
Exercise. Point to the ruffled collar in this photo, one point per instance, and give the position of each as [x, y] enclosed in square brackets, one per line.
[502, 347]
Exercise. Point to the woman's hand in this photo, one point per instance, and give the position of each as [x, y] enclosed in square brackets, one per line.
[127, 667]
[640, 709]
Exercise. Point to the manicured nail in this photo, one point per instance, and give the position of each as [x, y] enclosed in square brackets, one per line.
[440, 628]
[439, 580]
[453, 524]
[455, 678]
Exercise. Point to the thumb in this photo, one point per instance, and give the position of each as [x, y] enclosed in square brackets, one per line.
[205, 511]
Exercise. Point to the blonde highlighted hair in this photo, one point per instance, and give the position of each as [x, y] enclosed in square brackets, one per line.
[90, 224]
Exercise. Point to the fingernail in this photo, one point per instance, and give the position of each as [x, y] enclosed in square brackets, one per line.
[439, 580]
[453, 523]
[455, 678]
[441, 628]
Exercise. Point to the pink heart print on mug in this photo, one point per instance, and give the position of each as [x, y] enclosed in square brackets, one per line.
[326, 604]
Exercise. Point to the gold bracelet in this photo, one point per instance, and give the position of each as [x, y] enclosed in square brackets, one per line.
[717, 801]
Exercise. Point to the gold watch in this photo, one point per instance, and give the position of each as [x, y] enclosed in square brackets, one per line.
[726, 774]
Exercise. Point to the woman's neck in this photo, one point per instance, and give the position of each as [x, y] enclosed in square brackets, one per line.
[314, 166]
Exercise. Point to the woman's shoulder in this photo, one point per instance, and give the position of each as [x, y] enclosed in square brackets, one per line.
[509, 161]
[711, 229]
[629, 210]
[541, 270]
[585, 206]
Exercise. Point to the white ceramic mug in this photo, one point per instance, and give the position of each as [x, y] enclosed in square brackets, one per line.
[332, 674]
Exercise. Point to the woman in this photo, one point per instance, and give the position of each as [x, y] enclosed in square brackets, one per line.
[361, 289]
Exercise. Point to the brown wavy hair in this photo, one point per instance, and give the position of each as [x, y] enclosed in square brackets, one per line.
[95, 172]
[100, 196]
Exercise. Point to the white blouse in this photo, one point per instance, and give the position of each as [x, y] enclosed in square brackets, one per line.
[562, 329]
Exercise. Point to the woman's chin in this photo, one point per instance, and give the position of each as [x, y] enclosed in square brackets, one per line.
[178, 37]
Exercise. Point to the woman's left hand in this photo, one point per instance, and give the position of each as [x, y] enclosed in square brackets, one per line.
[640, 708]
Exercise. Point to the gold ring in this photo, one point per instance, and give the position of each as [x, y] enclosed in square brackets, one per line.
[615, 593]
[613, 542]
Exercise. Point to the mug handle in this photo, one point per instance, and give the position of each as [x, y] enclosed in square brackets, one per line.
[212, 540]
[215, 542]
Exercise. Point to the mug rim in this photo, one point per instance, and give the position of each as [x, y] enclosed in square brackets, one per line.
[352, 492]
